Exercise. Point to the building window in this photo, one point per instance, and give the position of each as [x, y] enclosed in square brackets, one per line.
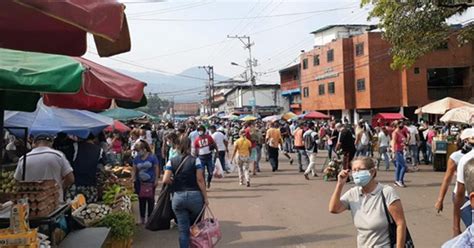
[321, 89]
[305, 92]
[416, 70]
[330, 55]
[360, 84]
[316, 60]
[331, 88]
[359, 49]
[305, 64]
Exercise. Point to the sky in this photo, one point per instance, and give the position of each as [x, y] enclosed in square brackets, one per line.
[173, 36]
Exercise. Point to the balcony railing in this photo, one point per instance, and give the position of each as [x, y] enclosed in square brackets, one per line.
[458, 92]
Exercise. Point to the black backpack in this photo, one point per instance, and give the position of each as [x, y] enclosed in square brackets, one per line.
[309, 142]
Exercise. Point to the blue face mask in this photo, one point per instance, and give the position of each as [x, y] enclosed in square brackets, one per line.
[362, 177]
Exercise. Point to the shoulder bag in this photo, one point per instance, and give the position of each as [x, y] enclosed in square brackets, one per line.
[392, 229]
[163, 213]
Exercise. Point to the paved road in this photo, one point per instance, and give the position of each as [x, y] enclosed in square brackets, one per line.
[282, 209]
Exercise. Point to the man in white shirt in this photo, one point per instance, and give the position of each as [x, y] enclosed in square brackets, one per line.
[459, 198]
[222, 142]
[45, 163]
[413, 146]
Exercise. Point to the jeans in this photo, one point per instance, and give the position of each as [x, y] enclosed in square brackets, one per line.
[330, 150]
[206, 161]
[415, 155]
[143, 203]
[422, 148]
[401, 166]
[429, 153]
[312, 163]
[186, 205]
[273, 157]
[384, 155]
[287, 144]
[362, 150]
[259, 156]
[302, 154]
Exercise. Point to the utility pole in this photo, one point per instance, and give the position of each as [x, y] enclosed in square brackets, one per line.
[210, 87]
[248, 45]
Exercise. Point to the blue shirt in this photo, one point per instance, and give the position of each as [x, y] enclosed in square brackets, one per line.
[146, 167]
[465, 239]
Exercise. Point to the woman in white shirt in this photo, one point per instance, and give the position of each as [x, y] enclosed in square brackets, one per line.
[384, 144]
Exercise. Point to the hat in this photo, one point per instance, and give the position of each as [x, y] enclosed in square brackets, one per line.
[467, 133]
[221, 129]
[43, 137]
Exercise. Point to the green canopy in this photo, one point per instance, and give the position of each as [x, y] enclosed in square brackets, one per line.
[123, 114]
[25, 74]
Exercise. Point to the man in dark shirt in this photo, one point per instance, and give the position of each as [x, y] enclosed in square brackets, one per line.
[64, 144]
[345, 142]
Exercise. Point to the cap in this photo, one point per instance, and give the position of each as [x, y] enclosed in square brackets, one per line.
[467, 133]
[43, 137]
[221, 129]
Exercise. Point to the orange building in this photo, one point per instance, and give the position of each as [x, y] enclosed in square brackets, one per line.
[347, 74]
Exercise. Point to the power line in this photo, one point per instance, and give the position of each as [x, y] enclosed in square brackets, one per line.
[169, 10]
[240, 18]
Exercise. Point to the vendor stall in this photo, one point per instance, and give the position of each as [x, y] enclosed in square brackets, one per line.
[381, 119]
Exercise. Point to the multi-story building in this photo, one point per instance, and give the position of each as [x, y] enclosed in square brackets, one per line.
[291, 88]
[348, 74]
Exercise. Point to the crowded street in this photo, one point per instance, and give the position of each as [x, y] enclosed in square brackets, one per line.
[284, 210]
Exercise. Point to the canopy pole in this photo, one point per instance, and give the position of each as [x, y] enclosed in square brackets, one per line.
[2, 116]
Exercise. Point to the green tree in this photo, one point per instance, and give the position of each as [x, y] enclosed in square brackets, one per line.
[156, 106]
[416, 27]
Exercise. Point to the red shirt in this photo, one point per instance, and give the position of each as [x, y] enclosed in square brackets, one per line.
[203, 144]
[399, 137]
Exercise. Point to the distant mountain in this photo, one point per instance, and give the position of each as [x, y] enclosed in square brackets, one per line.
[183, 88]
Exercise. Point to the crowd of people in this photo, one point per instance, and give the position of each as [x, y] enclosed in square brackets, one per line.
[185, 156]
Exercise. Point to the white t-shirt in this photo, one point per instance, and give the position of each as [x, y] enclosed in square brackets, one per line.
[219, 138]
[384, 140]
[462, 162]
[456, 156]
[44, 163]
[413, 132]
[192, 137]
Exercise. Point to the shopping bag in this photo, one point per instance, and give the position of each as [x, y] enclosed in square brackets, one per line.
[218, 171]
[162, 213]
[232, 168]
[207, 232]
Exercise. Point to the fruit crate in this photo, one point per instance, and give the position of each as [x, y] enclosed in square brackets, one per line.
[26, 239]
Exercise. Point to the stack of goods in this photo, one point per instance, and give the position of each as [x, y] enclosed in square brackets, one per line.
[119, 198]
[90, 214]
[121, 175]
[19, 234]
[43, 196]
[7, 185]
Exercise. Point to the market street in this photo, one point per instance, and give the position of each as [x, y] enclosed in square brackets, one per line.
[284, 210]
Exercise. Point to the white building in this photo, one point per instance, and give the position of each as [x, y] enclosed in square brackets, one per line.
[329, 33]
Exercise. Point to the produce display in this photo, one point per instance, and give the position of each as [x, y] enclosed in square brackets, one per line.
[90, 214]
[119, 198]
[7, 182]
[121, 175]
[43, 196]
[122, 225]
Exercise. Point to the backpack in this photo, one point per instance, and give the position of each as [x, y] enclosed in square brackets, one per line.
[309, 142]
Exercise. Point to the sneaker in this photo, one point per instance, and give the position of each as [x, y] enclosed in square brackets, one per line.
[398, 184]
[415, 168]
[301, 171]
[209, 185]
[241, 183]
[403, 185]
[291, 161]
[248, 183]
[315, 175]
[306, 176]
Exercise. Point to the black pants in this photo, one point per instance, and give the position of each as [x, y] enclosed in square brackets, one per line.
[273, 157]
[221, 156]
[143, 203]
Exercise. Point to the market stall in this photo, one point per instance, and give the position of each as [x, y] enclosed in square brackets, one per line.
[381, 119]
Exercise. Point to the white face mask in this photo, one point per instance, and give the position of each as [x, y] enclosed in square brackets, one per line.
[201, 133]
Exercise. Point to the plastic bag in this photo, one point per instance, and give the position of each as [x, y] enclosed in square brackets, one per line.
[231, 166]
[218, 171]
[207, 232]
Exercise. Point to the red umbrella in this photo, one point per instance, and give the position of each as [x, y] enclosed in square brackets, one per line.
[315, 115]
[117, 126]
[100, 86]
[60, 27]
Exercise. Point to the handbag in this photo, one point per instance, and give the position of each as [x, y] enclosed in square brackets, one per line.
[147, 190]
[207, 232]
[163, 213]
[392, 229]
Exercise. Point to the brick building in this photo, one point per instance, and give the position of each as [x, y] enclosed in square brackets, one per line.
[291, 88]
[348, 74]
[186, 109]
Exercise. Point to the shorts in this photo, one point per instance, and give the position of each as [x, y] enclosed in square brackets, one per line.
[253, 155]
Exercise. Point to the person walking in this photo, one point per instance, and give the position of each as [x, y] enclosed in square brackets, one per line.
[413, 142]
[145, 177]
[384, 146]
[399, 139]
[243, 147]
[222, 143]
[362, 139]
[299, 147]
[287, 145]
[204, 145]
[311, 146]
[368, 202]
[185, 174]
[273, 139]
[345, 143]
[332, 136]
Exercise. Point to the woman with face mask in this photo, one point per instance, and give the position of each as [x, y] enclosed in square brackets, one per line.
[365, 201]
[145, 177]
